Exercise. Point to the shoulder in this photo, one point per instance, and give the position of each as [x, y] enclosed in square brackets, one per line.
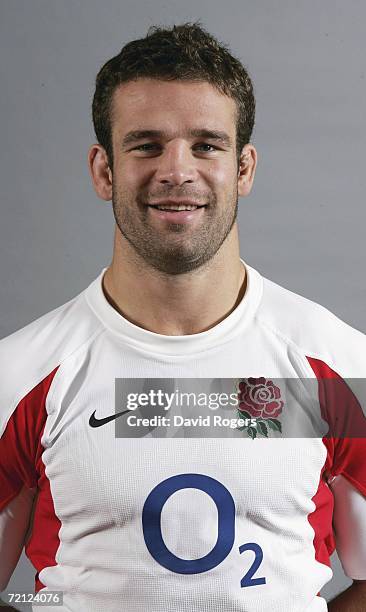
[32, 353]
[313, 329]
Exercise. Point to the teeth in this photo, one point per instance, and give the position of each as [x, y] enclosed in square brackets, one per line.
[178, 207]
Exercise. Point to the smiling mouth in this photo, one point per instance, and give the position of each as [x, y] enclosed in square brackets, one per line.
[176, 208]
[171, 206]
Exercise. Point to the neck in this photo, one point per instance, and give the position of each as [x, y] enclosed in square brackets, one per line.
[175, 305]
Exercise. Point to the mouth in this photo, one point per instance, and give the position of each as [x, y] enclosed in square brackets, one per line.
[181, 211]
[178, 206]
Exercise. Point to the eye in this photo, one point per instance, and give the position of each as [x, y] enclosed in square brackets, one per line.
[205, 144]
[147, 146]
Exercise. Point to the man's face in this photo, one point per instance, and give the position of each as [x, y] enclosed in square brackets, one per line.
[174, 145]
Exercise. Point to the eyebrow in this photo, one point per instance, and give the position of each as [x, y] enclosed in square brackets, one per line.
[217, 135]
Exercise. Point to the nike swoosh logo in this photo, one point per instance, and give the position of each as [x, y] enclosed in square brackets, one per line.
[93, 422]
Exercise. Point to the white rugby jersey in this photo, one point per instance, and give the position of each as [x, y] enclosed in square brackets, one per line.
[171, 523]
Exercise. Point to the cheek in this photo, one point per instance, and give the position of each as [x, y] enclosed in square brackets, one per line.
[137, 172]
[222, 176]
[127, 176]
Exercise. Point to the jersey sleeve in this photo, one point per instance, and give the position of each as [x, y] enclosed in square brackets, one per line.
[348, 486]
[20, 443]
[20, 456]
[343, 406]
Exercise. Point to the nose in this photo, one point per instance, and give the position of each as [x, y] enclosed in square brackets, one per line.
[176, 164]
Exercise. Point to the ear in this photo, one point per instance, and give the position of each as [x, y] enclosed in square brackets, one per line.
[100, 171]
[246, 171]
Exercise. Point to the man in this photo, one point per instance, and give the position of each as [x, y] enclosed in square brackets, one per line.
[142, 522]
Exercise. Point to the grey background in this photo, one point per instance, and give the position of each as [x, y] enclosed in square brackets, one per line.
[303, 226]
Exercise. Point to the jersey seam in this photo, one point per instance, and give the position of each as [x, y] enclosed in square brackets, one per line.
[44, 375]
[300, 350]
[80, 347]
[301, 354]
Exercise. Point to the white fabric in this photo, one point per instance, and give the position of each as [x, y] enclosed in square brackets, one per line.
[100, 484]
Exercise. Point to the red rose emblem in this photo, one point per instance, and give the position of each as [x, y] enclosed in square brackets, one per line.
[259, 397]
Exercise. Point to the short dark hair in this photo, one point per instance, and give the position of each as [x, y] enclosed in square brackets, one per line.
[182, 52]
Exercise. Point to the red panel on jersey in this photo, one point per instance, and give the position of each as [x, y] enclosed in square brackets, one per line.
[341, 409]
[21, 464]
[44, 542]
[321, 522]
